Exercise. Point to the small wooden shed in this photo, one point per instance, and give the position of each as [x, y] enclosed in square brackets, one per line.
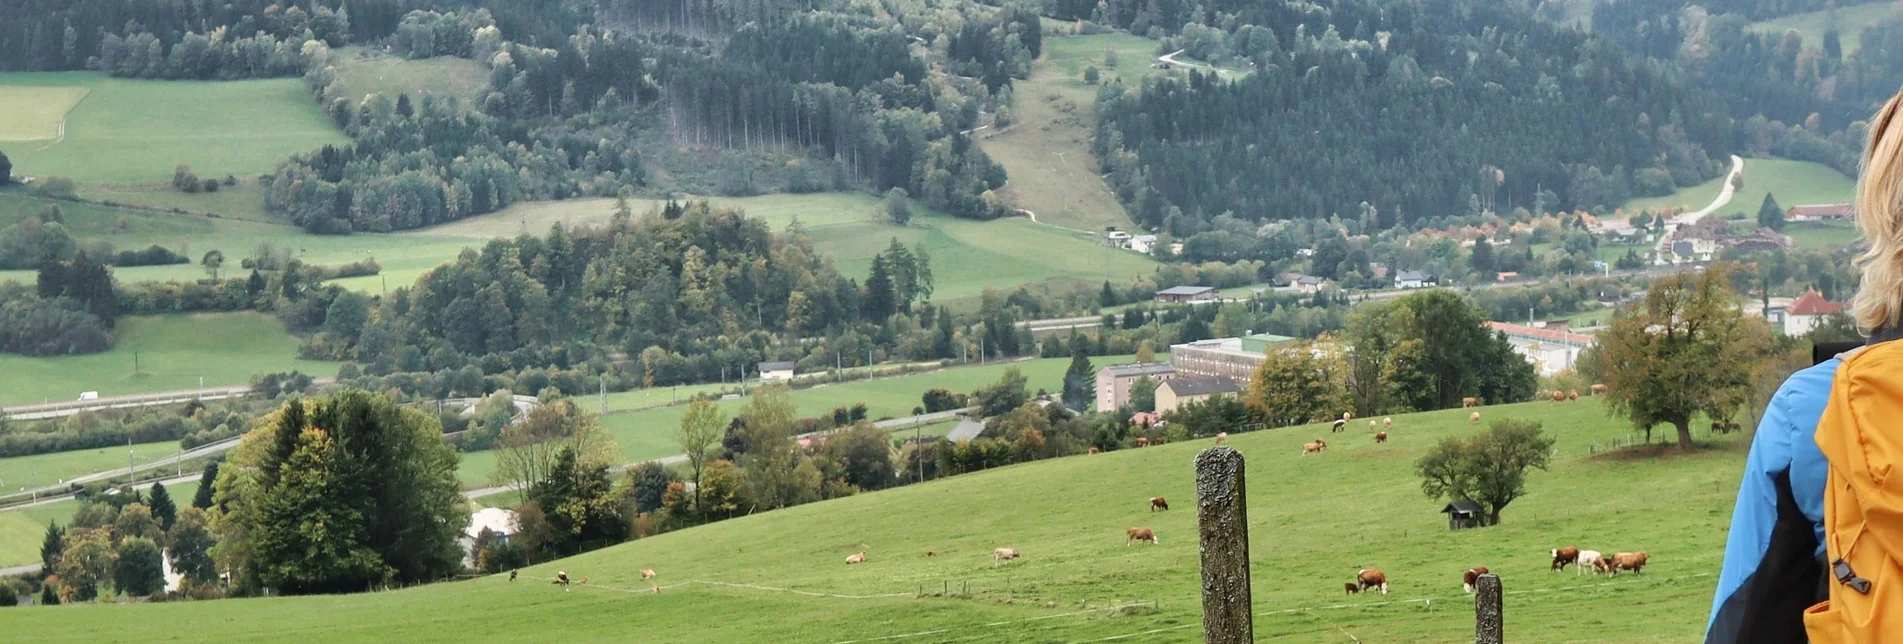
[1464, 514]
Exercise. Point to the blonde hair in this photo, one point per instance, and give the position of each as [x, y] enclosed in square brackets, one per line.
[1880, 218]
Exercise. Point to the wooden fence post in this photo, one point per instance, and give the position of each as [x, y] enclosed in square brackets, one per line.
[1222, 517]
[1489, 620]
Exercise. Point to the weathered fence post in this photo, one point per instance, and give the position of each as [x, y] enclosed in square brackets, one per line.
[1489, 621]
[1222, 516]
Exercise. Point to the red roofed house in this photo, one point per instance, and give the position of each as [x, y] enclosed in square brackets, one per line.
[1820, 212]
[1807, 312]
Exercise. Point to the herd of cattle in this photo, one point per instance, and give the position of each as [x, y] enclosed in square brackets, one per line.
[1581, 560]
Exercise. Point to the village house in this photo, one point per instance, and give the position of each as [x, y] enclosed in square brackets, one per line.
[1186, 390]
[1113, 382]
[1820, 212]
[1414, 279]
[776, 371]
[1309, 284]
[1808, 312]
[1183, 294]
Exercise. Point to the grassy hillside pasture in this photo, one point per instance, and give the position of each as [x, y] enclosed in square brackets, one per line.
[34, 114]
[1792, 182]
[1821, 235]
[22, 472]
[173, 352]
[1046, 151]
[1850, 22]
[968, 256]
[649, 433]
[403, 257]
[20, 539]
[136, 131]
[1315, 520]
[245, 200]
[364, 71]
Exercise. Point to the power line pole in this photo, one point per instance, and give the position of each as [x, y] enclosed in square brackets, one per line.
[604, 393]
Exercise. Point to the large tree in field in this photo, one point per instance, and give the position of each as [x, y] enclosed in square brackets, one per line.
[1294, 385]
[1488, 468]
[1684, 350]
[578, 500]
[702, 427]
[529, 448]
[771, 462]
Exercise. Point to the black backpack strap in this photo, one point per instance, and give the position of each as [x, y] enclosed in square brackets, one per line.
[1769, 607]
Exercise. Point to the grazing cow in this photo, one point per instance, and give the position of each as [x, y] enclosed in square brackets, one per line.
[1633, 561]
[647, 573]
[1222, 437]
[1093, 450]
[657, 589]
[1347, 416]
[1563, 556]
[1590, 559]
[1321, 442]
[1470, 401]
[1141, 441]
[1598, 389]
[1311, 448]
[1002, 555]
[857, 558]
[1387, 423]
[1159, 441]
[1473, 418]
[1139, 534]
[1467, 579]
[1558, 395]
[1381, 437]
[931, 553]
[1157, 503]
[1732, 427]
[1340, 425]
[1372, 578]
[1353, 587]
[1572, 394]
[1373, 424]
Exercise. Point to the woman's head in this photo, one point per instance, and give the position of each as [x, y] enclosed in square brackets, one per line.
[1879, 299]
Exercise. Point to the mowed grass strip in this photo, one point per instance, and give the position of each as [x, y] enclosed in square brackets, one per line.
[137, 131]
[1314, 520]
[34, 113]
[172, 352]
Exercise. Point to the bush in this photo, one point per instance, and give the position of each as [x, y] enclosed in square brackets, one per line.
[154, 255]
[56, 188]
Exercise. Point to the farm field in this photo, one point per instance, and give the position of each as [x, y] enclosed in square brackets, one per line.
[1821, 235]
[35, 113]
[1311, 529]
[648, 434]
[22, 472]
[1792, 182]
[136, 131]
[968, 256]
[403, 257]
[173, 352]
[1046, 152]
[1850, 22]
[242, 201]
[364, 71]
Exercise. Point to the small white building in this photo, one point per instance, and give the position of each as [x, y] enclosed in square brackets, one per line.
[776, 371]
[1808, 312]
[1142, 243]
[495, 520]
[1413, 279]
[1550, 350]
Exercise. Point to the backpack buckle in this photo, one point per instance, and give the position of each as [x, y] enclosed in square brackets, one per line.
[1846, 576]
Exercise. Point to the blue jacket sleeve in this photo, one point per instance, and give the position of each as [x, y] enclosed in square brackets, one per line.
[1784, 445]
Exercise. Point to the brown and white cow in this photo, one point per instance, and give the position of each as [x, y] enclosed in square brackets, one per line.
[1470, 401]
[1093, 450]
[1387, 423]
[1311, 448]
[1157, 503]
[1598, 389]
[1467, 579]
[1633, 561]
[1372, 578]
[1564, 556]
[1222, 437]
[856, 558]
[1347, 416]
[1381, 437]
[647, 573]
[1373, 424]
[1001, 555]
[1322, 442]
[1473, 418]
[1142, 441]
[1139, 534]
[1572, 394]
[1559, 396]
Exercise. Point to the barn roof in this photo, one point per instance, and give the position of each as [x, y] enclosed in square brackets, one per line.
[1202, 386]
[776, 366]
[1185, 290]
[1463, 506]
[1813, 303]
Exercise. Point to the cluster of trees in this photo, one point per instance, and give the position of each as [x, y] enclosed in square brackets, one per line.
[1413, 77]
[339, 494]
[36, 326]
[216, 55]
[47, 35]
[37, 236]
[116, 544]
[996, 50]
[1488, 468]
[193, 425]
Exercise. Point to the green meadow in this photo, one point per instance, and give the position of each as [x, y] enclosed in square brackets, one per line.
[1314, 521]
[171, 352]
[137, 131]
[1793, 183]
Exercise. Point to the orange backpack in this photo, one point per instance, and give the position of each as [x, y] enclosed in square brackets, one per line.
[1863, 505]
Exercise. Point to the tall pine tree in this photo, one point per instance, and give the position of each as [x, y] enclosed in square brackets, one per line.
[880, 298]
[1079, 378]
[202, 500]
[51, 548]
[162, 506]
[1770, 215]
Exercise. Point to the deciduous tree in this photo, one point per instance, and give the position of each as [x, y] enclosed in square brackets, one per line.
[1488, 468]
[1684, 350]
[702, 427]
[139, 570]
[1294, 385]
[190, 546]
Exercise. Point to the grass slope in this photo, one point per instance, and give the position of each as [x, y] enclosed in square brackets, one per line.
[1850, 22]
[1792, 182]
[35, 113]
[364, 71]
[22, 472]
[967, 256]
[1047, 151]
[1314, 521]
[137, 130]
[648, 433]
[174, 351]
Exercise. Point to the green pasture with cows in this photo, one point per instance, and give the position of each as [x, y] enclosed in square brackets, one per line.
[1315, 520]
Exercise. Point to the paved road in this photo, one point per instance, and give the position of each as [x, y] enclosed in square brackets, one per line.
[48, 500]
[891, 423]
[19, 570]
[1690, 218]
[70, 407]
